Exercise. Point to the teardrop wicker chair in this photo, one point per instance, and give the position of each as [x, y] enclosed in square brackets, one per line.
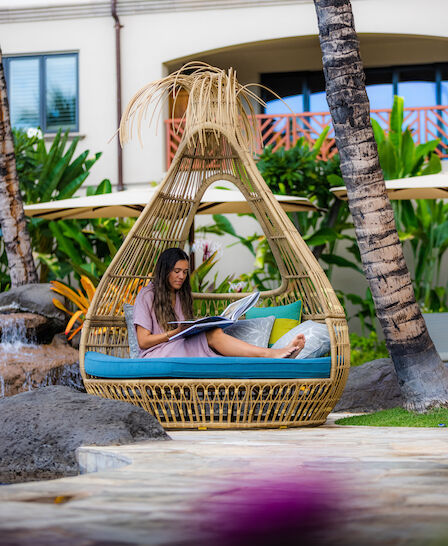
[216, 145]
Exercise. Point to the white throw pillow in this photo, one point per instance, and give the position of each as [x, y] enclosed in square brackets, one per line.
[134, 349]
[256, 331]
[317, 339]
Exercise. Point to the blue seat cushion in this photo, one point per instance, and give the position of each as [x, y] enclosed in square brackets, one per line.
[112, 367]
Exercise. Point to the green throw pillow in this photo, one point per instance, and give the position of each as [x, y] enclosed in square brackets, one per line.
[292, 311]
[281, 327]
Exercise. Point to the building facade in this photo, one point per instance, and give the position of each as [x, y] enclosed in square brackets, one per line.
[60, 60]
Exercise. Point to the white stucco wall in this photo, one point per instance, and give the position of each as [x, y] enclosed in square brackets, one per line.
[153, 41]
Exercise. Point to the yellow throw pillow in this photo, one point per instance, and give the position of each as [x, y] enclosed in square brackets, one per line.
[281, 327]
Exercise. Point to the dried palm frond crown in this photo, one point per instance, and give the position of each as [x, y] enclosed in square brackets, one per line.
[217, 144]
[215, 98]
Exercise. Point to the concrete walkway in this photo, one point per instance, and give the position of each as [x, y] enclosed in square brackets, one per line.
[392, 484]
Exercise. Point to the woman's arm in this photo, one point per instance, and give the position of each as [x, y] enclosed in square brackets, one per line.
[146, 340]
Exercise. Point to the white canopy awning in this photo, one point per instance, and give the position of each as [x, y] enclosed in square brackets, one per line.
[431, 186]
[130, 203]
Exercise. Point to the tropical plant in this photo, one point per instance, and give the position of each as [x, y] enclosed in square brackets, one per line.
[399, 155]
[423, 226]
[299, 171]
[45, 175]
[365, 310]
[265, 272]
[199, 281]
[53, 173]
[422, 376]
[364, 349]
[85, 246]
[81, 300]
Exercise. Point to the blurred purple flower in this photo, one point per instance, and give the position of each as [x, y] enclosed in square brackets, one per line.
[287, 511]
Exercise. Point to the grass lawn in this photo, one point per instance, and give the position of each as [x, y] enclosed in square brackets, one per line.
[398, 417]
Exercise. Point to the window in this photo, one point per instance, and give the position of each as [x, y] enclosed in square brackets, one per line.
[424, 85]
[43, 91]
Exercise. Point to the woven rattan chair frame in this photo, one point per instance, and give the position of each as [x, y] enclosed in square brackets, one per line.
[207, 154]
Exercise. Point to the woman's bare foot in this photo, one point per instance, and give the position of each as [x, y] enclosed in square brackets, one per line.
[291, 350]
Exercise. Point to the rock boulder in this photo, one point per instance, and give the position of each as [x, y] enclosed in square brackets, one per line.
[34, 298]
[371, 387]
[42, 429]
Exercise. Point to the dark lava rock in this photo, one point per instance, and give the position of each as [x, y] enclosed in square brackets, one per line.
[34, 298]
[41, 430]
[371, 387]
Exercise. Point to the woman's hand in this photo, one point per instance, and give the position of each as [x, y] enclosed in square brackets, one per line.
[177, 330]
[146, 340]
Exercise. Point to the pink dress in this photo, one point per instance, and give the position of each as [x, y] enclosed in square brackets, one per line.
[192, 346]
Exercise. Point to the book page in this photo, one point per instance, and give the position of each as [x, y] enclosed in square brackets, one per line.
[239, 307]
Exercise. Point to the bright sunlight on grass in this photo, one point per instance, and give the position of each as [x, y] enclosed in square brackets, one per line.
[398, 417]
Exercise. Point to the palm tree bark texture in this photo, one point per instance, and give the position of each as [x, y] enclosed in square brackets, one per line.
[422, 376]
[22, 269]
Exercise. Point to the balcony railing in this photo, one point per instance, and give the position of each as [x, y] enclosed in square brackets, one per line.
[426, 123]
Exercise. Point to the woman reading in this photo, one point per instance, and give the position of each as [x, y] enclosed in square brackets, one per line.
[167, 299]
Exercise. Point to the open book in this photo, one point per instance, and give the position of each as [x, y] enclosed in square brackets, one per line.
[229, 316]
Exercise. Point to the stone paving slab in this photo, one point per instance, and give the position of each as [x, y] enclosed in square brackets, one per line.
[393, 482]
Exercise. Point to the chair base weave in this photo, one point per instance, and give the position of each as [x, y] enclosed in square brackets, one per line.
[224, 404]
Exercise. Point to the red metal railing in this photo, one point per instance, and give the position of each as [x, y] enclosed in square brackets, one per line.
[426, 123]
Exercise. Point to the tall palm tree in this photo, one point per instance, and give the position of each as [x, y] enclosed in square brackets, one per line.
[12, 218]
[422, 376]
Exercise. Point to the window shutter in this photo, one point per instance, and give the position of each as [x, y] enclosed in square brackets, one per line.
[61, 91]
[24, 92]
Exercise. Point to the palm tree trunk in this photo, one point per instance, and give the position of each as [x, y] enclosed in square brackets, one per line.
[422, 376]
[12, 218]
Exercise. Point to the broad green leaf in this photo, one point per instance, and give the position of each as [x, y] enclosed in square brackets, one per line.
[388, 160]
[322, 236]
[424, 149]
[74, 169]
[224, 224]
[396, 121]
[49, 185]
[48, 161]
[433, 166]
[73, 187]
[320, 140]
[71, 230]
[335, 180]
[407, 153]
[104, 186]
[65, 244]
[378, 132]
[441, 234]
[92, 161]
[61, 147]
[403, 236]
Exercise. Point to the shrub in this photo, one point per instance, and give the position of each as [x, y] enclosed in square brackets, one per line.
[365, 349]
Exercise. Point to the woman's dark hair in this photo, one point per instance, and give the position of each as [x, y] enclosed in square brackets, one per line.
[163, 307]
